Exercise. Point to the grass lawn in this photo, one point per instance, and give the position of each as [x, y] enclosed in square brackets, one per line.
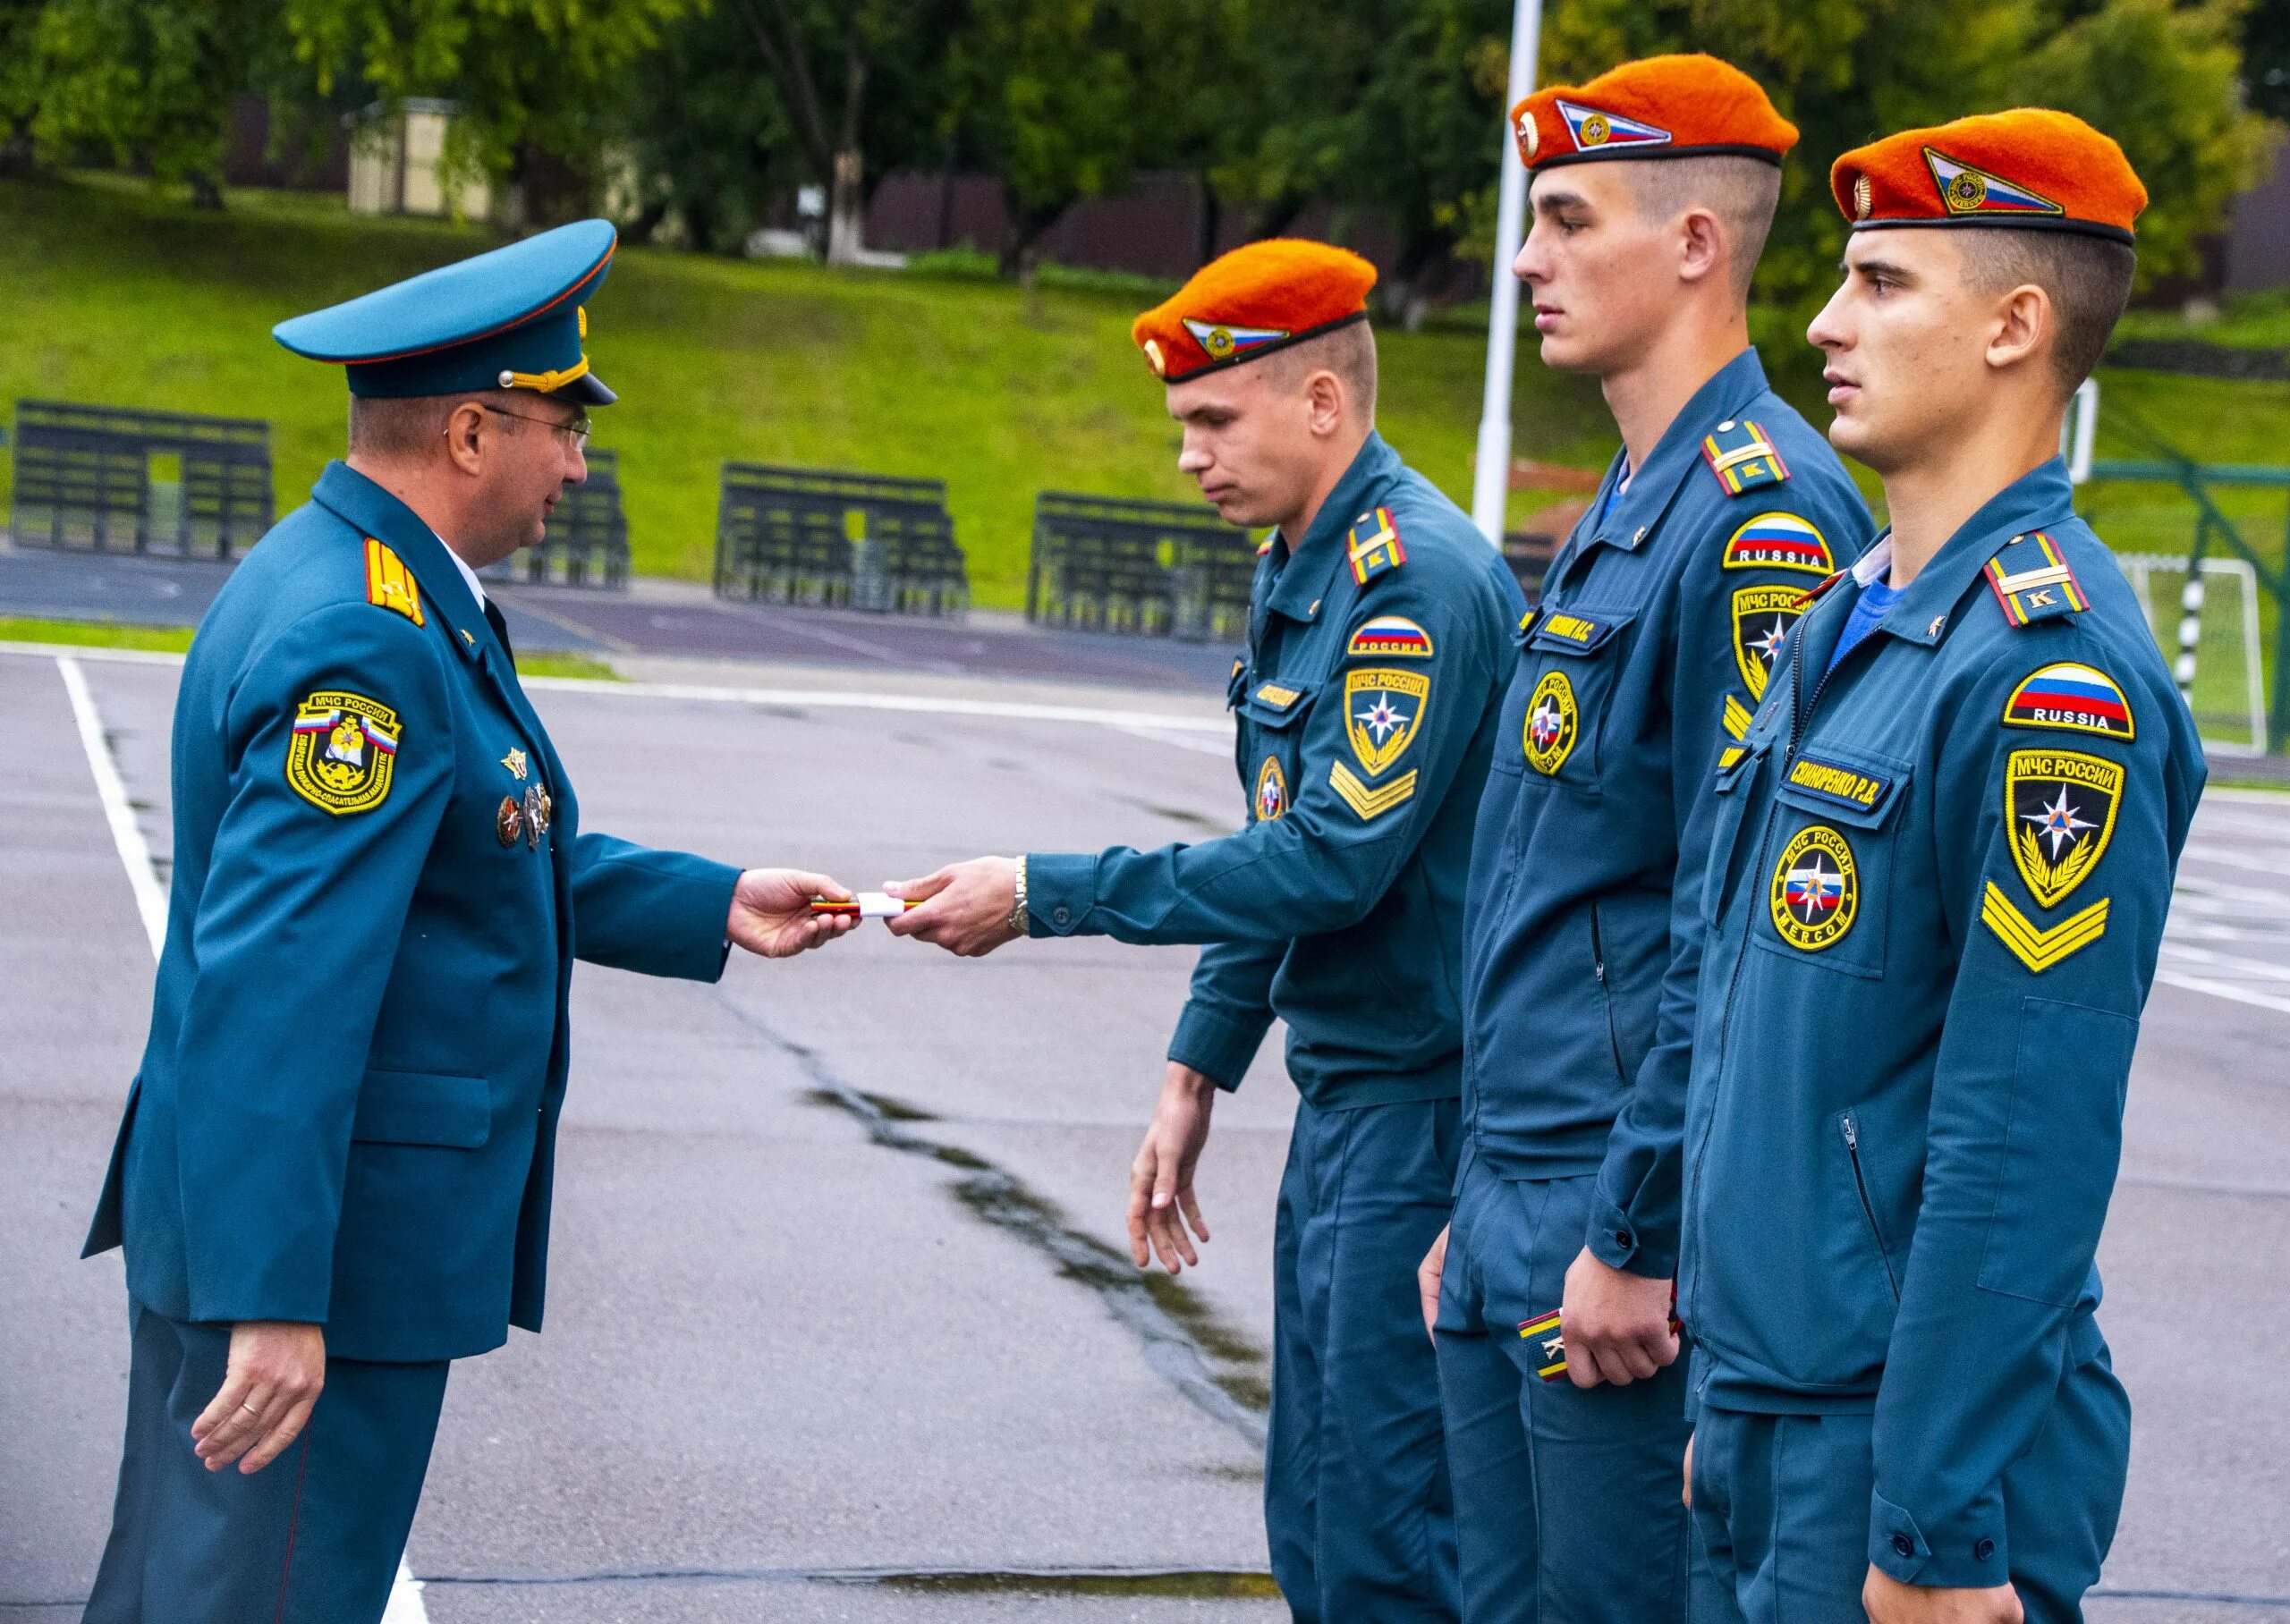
[176, 639]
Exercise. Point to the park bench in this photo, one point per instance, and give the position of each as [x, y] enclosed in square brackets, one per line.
[116, 479]
[829, 537]
[587, 544]
[1155, 569]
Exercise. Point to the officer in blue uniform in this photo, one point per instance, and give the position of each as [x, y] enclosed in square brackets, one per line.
[334, 1172]
[1366, 707]
[1564, 1405]
[1936, 889]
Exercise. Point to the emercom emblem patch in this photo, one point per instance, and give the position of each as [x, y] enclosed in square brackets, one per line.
[1382, 708]
[2060, 805]
[1816, 889]
[1553, 722]
[343, 752]
[1762, 616]
[1271, 791]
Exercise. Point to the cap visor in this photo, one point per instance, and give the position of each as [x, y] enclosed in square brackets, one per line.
[589, 390]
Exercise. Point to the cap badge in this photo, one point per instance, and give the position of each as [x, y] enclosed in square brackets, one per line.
[1966, 190]
[1590, 128]
[1223, 342]
[1864, 196]
[1153, 357]
[1529, 138]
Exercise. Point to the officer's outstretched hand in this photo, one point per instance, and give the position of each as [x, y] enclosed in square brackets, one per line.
[1889, 1602]
[772, 915]
[1618, 1324]
[965, 908]
[1161, 1202]
[271, 1381]
[1428, 1274]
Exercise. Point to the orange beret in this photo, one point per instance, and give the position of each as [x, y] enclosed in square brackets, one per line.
[1259, 298]
[1656, 108]
[2029, 167]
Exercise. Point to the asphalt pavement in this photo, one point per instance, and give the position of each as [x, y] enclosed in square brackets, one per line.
[841, 1322]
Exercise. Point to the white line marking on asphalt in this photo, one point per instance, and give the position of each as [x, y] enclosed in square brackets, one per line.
[2219, 989]
[1012, 710]
[405, 1605]
[1161, 735]
[134, 851]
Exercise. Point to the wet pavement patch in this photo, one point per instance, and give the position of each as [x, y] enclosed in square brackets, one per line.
[1219, 1370]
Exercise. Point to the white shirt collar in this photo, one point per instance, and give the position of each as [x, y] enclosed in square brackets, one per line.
[476, 587]
[1871, 566]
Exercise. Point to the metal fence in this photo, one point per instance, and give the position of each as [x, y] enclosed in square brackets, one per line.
[587, 544]
[829, 537]
[1156, 569]
[116, 479]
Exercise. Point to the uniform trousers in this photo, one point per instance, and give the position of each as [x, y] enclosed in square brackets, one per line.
[1356, 1504]
[1567, 1500]
[1781, 1508]
[315, 1537]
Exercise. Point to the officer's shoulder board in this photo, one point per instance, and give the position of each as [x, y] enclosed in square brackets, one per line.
[1373, 546]
[390, 585]
[2031, 581]
[1741, 456]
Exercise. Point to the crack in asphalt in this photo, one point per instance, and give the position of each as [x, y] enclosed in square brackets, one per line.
[1214, 1367]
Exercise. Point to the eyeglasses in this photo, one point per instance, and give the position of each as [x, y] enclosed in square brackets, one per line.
[579, 427]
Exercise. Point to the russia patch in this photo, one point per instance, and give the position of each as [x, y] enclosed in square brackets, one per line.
[1779, 541]
[1391, 635]
[2077, 699]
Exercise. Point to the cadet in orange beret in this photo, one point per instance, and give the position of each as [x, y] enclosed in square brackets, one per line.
[1653, 187]
[1935, 898]
[1368, 702]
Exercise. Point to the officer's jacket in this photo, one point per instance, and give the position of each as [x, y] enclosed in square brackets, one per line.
[346, 1112]
[1366, 708]
[1651, 645]
[1937, 885]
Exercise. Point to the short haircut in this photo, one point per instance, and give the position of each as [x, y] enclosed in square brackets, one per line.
[2087, 277]
[1742, 192]
[1349, 352]
[402, 427]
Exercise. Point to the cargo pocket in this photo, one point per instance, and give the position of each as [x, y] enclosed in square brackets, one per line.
[423, 1108]
[2061, 1147]
[1573, 659]
[1828, 889]
[1737, 769]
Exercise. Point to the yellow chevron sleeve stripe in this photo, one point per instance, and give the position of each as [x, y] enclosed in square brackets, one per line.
[1370, 804]
[1737, 717]
[2034, 946]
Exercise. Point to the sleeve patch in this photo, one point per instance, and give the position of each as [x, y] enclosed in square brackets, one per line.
[2040, 949]
[1762, 616]
[1392, 636]
[1737, 717]
[2033, 585]
[1370, 804]
[1373, 546]
[1779, 541]
[343, 752]
[2060, 808]
[1741, 457]
[2074, 698]
[389, 584]
[1382, 711]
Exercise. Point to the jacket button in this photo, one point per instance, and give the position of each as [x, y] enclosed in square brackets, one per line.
[1903, 1545]
[1622, 1238]
[1985, 1549]
[1063, 915]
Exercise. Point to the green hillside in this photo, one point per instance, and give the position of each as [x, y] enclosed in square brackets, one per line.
[113, 294]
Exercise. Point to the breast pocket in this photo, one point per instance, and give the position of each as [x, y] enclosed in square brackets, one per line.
[1836, 831]
[1572, 660]
[1272, 715]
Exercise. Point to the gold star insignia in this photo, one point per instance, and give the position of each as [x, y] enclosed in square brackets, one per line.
[515, 762]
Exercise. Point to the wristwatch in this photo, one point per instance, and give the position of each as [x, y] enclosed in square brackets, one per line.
[1017, 920]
